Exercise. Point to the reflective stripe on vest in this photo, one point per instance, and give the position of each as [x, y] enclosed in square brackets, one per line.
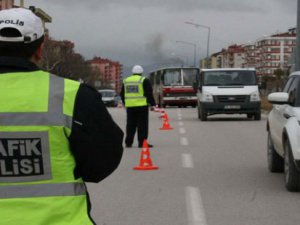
[54, 115]
[42, 190]
[36, 163]
[134, 91]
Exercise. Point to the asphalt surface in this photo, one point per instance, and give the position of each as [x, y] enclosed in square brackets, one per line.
[210, 173]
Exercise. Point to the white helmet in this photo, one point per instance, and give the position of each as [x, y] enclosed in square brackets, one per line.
[137, 69]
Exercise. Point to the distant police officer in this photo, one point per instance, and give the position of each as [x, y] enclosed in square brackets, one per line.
[137, 95]
[55, 133]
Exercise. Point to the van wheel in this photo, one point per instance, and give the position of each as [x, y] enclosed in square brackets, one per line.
[203, 115]
[199, 113]
[292, 175]
[275, 161]
[249, 115]
[257, 116]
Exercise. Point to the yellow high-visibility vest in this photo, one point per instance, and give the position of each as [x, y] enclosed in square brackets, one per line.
[134, 91]
[37, 184]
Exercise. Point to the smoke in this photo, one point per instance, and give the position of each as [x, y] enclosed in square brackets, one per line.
[155, 48]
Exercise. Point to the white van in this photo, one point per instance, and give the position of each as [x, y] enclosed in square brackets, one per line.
[109, 97]
[228, 91]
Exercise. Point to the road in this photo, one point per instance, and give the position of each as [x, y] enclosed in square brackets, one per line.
[210, 173]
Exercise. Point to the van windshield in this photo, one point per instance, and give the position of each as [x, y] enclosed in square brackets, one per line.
[234, 77]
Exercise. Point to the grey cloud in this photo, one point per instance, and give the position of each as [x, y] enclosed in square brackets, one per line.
[287, 5]
[173, 5]
[111, 27]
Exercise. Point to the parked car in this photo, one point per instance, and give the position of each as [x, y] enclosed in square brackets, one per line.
[283, 126]
[109, 97]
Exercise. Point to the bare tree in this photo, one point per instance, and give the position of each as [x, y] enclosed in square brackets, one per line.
[60, 58]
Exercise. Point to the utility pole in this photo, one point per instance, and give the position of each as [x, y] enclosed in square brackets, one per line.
[297, 61]
[208, 38]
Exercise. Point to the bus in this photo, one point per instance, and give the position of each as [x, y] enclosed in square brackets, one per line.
[173, 86]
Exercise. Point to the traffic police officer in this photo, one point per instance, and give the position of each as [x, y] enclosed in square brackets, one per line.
[55, 133]
[136, 95]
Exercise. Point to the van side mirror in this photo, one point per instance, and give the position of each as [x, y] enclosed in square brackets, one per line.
[200, 88]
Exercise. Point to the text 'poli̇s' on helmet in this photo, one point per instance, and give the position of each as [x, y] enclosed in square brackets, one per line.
[137, 69]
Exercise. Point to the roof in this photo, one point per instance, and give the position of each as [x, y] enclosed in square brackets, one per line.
[173, 67]
[228, 69]
[44, 16]
[297, 73]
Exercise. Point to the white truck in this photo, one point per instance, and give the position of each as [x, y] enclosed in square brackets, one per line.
[228, 91]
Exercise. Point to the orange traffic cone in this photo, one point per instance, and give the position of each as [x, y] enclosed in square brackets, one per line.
[145, 161]
[166, 125]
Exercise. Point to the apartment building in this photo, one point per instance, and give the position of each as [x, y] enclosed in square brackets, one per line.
[273, 52]
[7, 4]
[267, 54]
[216, 60]
[110, 71]
[233, 56]
[250, 56]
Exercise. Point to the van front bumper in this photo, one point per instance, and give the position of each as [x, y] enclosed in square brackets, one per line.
[230, 108]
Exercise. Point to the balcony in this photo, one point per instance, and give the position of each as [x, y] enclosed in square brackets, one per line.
[40, 13]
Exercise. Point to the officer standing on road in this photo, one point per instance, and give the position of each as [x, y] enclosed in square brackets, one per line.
[55, 133]
[136, 95]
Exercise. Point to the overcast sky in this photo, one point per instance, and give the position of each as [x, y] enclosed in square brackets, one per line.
[145, 31]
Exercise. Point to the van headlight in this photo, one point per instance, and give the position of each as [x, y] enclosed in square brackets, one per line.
[254, 96]
[207, 97]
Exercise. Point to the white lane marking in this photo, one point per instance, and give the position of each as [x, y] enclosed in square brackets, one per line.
[179, 118]
[184, 141]
[187, 161]
[180, 123]
[182, 130]
[195, 207]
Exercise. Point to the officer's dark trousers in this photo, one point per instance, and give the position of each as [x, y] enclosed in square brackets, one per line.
[137, 119]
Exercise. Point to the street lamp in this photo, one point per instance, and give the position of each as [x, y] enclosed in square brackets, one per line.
[208, 37]
[193, 44]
